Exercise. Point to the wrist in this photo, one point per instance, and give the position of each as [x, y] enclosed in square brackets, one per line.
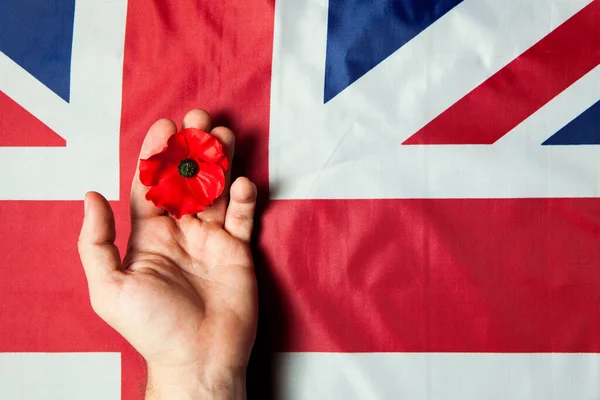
[195, 382]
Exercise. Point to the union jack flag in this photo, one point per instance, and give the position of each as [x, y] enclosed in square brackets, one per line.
[429, 170]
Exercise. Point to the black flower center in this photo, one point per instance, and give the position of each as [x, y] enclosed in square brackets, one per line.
[188, 168]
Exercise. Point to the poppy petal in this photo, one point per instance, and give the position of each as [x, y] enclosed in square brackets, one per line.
[224, 163]
[168, 193]
[177, 147]
[205, 147]
[209, 183]
[154, 169]
[192, 204]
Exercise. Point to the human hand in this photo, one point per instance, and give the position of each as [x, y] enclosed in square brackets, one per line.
[185, 294]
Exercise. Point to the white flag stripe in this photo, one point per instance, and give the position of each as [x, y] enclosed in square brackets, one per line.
[437, 376]
[351, 147]
[64, 376]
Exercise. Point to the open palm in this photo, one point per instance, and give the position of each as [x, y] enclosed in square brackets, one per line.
[185, 292]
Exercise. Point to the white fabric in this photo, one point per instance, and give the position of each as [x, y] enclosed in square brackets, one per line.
[64, 376]
[437, 376]
[352, 148]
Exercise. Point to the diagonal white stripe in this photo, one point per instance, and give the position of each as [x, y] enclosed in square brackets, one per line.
[90, 123]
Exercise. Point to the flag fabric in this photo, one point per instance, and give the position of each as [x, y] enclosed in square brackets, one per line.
[429, 174]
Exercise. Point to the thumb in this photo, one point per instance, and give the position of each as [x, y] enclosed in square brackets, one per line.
[99, 255]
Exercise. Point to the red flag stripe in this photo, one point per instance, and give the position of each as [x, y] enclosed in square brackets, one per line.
[490, 275]
[520, 89]
[18, 128]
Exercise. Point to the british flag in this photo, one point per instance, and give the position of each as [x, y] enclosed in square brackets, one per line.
[430, 172]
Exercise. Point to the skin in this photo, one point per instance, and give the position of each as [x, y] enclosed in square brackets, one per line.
[185, 294]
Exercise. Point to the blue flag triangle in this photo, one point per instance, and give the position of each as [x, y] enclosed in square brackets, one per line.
[585, 129]
[363, 33]
[38, 35]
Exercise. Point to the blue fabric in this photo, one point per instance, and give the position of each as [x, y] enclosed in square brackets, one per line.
[38, 35]
[363, 33]
[584, 129]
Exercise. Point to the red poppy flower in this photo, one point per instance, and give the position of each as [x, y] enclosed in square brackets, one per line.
[187, 175]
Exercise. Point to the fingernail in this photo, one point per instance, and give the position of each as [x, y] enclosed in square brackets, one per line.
[85, 205]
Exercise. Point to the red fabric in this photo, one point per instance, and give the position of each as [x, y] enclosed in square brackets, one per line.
[527, 84]
[18, 128]
[185, 195]
[435, 275]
